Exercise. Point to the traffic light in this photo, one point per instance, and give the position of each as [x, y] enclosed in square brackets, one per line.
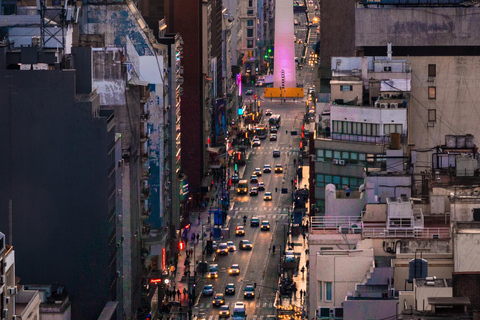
[181, 245]
[255, 97]
[269, 50]
[265, 56]
[236, 164]
[295, 183]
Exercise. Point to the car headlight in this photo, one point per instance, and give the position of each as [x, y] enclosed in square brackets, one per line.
[216, 276]
[230, 270]
[228, 312]
[222, 301]
[209, 275]
[244, 293]
[253, 293]
[218, 250]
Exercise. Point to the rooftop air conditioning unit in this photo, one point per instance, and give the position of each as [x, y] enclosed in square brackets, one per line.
[384, 105]
[393, 105]
[341, 162]
[335, 161]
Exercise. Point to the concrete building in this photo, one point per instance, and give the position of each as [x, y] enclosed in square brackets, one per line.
[247, 43]
[368, 106]
[84, 155]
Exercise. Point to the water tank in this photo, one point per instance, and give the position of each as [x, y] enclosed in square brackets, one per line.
[450, 141]
[460, 142]
[417, 268]
[469, 141]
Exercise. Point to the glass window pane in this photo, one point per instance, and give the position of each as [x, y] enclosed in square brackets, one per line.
[249, 32]
[320, 291]
[328, 154]
[336, 155]
[345, 155]
[320, 153]
[361, 156]
[354, 128]
[345, 127]
[354, 182]
[398, 128]
[353, 156]
[364, 129]
[349, 127]
[336, 180]
[328, 291]
[369, 129]
[345, 182]
[250, 23]
[328, 179]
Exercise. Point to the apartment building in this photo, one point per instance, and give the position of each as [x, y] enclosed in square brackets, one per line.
[366, 118]
[247, 41]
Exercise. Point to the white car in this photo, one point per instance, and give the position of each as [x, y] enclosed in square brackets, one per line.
[256, 142]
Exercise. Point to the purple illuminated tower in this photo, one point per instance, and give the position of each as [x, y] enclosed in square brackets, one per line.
[284, 63]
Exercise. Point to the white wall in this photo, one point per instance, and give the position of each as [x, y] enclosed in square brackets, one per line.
[466, 247]
[369, 115]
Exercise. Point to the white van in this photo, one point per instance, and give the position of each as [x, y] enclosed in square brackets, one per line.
[239, 312]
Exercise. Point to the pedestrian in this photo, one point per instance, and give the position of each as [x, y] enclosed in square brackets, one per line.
[301, 294]
[178, 294]
[295, 292]
[286, 131]
[184, 293]
[273, 249]
[276, 189]
[191, 250]
[348, 192]
[304, 236]
[198, 237]
[303, 271]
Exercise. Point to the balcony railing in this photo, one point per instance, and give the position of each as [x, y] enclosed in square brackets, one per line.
[356, 225]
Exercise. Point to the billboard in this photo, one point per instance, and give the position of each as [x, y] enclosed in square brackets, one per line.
[220, 122]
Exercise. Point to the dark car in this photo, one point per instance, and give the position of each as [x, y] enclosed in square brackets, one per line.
[267, 168]
[218, 300]
[254, 222]
[235, 178]
[254, 191]
[208, 290]
[240, 231]
[261, 186]
[245, 245]
[276, 153]
[265, 225]
[230, 288]
[278, 168]
[222, 249]
[249, 92]
[249, 291]
[253, 179]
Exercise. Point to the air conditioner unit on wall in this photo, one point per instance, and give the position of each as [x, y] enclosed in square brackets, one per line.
[341, 162]
[12, 290]
[393, 105]
[335, 161]
[383, 105]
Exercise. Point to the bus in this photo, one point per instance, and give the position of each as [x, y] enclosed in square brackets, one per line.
[261, 132]
[242, 187]
[239, 312]
[275, 121]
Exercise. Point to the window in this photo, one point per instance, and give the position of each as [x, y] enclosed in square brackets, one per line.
[353, 156]
[320, 155]
[249, 43]
[328, 154]
[250, 23]
[320, 291]
[328, 291]
[250, 12]
[432, 92]
[328, 179]
[346, 88]
[250, 32]
[345, 155]
[320, 182]
[336, 155]
[250, 3]
[392, 128]
[387, 69]
[432, 70]
[432, 115]
[361, 157]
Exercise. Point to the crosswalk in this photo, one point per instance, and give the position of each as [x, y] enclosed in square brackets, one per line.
[269, 149]
[255, 317]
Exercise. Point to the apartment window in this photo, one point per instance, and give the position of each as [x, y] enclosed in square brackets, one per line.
[345, 155]
[346, 88]
[432, 70]
[249, 44]
[250, 23]
[320, 291]
[250, 11]
[320, 155]
[432, 115]
[336, 155]
[432, 92]
[320, 180]
[328, 291]
[392, 128]
[328, 154]
[250, 3]
[250, 33]
[387, 69]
